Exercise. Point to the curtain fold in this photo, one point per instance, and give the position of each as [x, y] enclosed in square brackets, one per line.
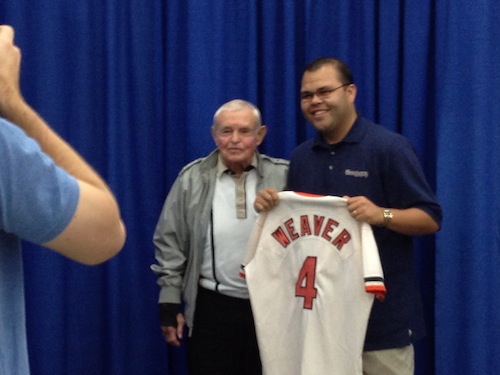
[133, 86]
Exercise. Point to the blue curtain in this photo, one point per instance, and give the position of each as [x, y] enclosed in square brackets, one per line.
[468, 169]
[133, 86]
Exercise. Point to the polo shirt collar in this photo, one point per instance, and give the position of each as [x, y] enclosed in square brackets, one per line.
[222, 168]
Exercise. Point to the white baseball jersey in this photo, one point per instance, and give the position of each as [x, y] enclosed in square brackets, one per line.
[312, 272]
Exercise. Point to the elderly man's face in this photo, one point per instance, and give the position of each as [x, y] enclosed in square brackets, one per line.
[237, 136]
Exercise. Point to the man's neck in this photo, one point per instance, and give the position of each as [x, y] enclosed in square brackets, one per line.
[343, 130]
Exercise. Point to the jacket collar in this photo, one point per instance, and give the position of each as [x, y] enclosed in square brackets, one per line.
[211, 162]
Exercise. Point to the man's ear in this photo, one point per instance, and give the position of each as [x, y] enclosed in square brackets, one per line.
[214, 135]
[353, 90]
[261, 134]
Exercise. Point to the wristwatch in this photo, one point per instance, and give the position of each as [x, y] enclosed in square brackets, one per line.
[388, 215]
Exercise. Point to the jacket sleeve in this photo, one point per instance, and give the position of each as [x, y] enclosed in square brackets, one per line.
[170, 241]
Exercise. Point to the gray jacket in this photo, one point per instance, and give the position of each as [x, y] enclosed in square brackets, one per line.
[181, 231]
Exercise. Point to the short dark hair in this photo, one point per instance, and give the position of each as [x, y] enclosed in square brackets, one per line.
[341, 67]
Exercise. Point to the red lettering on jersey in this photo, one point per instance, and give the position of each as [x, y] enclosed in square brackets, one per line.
[343, 238]
[286, 233]
[290, 229]
[305, 285]
[318, 222]
[329, 228]
[305, 227]
[280, 236]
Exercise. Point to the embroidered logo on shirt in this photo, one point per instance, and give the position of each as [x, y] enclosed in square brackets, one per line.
[363, 174]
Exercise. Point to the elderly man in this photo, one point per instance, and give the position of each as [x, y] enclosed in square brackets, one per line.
[200, 240]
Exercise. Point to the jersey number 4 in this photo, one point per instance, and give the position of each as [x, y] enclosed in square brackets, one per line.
[304, 287]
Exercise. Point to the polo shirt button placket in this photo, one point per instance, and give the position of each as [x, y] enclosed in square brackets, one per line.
[330, 167]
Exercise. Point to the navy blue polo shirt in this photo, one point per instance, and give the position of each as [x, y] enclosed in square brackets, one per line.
[374, 162]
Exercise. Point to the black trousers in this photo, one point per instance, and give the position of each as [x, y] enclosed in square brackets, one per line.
[223, 341]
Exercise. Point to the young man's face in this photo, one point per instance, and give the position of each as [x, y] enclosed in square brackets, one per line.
[327, 102]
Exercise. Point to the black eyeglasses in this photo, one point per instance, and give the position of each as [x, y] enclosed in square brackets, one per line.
[322, 93]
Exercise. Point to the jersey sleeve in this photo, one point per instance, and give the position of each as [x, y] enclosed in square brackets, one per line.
[37, 198]
[373, 273]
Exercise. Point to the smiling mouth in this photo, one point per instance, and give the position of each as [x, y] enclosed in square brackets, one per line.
[318, 113]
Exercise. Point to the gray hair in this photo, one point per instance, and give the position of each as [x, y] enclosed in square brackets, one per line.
[236, 105]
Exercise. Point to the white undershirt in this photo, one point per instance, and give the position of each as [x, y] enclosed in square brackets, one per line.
[233, 195]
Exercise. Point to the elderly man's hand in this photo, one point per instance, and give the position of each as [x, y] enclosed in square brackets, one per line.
[266, 199]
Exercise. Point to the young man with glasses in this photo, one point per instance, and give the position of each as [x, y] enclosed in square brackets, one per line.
[379, 174]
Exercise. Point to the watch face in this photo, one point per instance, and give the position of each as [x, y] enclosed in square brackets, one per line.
[387, 215]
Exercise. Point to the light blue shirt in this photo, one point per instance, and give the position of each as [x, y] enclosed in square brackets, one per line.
[37, 201]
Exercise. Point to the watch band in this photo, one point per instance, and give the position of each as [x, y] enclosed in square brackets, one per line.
[388, 215]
